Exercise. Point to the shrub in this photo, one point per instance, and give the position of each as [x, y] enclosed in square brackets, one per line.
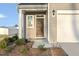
[6, 39]
[20, 42]
[3, 43]
[8, 49]
[41, 47]
[27, 41]
[10, 39]
[14, 38]
[24, 50]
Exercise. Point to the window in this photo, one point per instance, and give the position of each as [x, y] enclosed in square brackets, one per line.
[30, 21]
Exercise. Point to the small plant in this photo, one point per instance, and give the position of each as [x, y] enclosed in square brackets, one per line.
[6, 39]
[20, 42]
[3, 43]
[41, 47]
[8, 49]
[14, 38]
[24, 50]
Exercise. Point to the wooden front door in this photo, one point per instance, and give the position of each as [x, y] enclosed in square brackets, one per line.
[40, 27]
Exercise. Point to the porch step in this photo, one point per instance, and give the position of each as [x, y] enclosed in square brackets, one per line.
[41, 42]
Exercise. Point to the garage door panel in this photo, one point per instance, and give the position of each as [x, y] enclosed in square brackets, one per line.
[67, 27]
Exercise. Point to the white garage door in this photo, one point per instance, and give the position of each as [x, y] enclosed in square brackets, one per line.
[68, 25]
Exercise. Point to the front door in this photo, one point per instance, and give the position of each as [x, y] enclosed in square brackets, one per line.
[39, 27]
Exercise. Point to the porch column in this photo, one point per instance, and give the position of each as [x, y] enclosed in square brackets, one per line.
[21, 24]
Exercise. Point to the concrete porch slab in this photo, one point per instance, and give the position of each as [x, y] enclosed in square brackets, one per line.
[38, 42]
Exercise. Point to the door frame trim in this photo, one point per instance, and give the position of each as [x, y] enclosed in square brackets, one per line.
[44, 27]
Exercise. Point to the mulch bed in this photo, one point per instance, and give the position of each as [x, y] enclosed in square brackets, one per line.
[33, 51]
[58, 52]
[30, 52]
[38, 52]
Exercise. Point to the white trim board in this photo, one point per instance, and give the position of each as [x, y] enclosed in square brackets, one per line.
[67, 11]
[44, 27]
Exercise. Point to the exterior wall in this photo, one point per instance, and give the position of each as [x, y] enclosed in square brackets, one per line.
[3, 31]
[52, 23]
[63, 6]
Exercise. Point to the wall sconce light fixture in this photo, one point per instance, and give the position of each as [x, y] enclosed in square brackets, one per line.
[53, 11]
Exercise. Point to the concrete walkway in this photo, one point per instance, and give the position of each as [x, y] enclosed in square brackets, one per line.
[72, 49]
[41, 42]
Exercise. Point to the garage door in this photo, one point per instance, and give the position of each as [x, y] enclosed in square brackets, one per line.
[68, 25]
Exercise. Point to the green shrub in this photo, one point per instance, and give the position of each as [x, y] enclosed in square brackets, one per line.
[41, 47]
[3, 43]
[8, 49]
[14, 38]
[20, 42]
[24, 50]
[11, 39]
[6, 39]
